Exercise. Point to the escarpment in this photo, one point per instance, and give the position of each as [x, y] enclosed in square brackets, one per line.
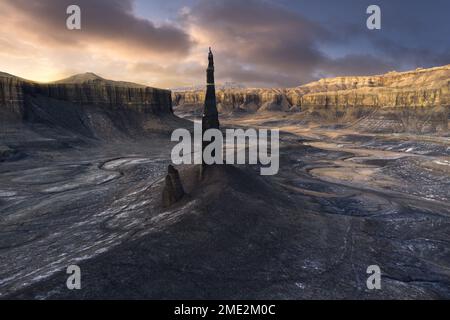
[391, 100]
[98, 92]
[11, 96]
[85, 103]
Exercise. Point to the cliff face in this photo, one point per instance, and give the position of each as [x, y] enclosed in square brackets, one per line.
[83, 102]
[237, 100]
[419, 88]
[422, 93]
[11, 96]
[109, 94]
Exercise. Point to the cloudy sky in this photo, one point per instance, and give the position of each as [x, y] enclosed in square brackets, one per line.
[259, 43]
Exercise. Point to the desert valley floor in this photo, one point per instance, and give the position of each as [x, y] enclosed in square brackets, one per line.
[343, 200]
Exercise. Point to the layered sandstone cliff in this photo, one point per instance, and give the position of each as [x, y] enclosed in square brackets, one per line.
[418, 88]
[83, 106]
[82, 90]
[416, 101]
[11, 96]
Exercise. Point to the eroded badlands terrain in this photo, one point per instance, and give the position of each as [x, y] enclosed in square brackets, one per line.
[81, 184]
[341, 202]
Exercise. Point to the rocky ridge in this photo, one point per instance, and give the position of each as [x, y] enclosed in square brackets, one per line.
[82, 90]
[416, 100]
[84, 105]
[418, 88]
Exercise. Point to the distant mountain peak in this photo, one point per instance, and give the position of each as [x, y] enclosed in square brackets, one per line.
[81, 78]
[91, 77]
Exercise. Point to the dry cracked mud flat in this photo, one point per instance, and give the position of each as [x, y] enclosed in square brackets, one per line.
[342, 201]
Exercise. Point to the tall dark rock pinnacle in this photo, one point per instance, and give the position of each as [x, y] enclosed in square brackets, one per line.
[210, 117]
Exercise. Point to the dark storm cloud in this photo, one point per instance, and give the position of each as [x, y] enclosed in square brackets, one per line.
[293, 42]
[355, 65]
[264, 37]
[261, 43]
[412, 55]
[259, 77]
[102, 20]
[256, 42]
[189, 69]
